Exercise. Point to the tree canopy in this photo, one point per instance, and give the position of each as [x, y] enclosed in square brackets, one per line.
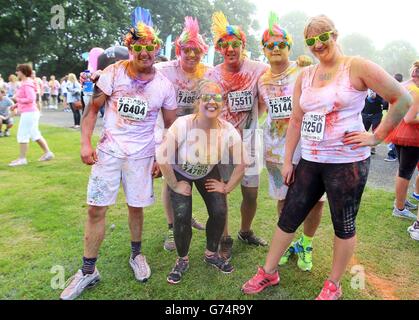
[34, 31]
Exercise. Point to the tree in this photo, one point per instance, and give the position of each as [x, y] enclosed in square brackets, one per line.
[359, 45]
[294, 22]
[398, 56]
[27, 33]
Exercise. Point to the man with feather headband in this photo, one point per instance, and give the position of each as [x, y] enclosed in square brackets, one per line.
[133, 93]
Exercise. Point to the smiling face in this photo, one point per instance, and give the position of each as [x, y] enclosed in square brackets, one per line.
[277, 55]
[190, 57]
[211, 101]
[142, 57]
[322, 50]
[233, 50]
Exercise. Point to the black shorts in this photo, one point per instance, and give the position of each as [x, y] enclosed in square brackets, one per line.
[343, 183]
[45, 97]
[8, 121]
[408, 160]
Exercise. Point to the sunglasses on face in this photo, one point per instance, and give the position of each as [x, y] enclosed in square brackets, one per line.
[324, 37]
[233, 44]
[208, 97]
[272, 45]
[187, 50]
[140, 47]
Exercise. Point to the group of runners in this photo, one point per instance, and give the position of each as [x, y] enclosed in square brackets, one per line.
[314, 144]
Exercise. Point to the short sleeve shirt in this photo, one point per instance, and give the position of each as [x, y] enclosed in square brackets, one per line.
[131, 111]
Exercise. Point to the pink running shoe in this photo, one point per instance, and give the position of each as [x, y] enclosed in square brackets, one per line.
[330, 291]
[260, 281]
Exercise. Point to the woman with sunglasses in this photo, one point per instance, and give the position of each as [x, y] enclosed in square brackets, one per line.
[192, 148]
[184, 73]
[275, 88]
[327, 103]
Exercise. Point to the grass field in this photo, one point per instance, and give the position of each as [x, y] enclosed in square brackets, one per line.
[42, 215]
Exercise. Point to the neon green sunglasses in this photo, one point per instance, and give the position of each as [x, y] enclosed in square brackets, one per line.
[324, 37]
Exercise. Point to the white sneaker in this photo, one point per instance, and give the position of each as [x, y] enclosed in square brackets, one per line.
[403, 214]
[18, 162]
[47, 156]
[414, 233]
[78, 283]
[140, 267]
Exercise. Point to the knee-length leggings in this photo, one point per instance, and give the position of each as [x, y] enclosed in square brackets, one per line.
[216, 204]
[344, 185]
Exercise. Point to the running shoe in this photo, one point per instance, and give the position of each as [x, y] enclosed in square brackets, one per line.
[260, 282]
[330, 291]
[250, 238]
[406, 214]
[181, 266]
[373, 151]
[7, 133]
[169, 241]
[225, 248]
[390, 159]
[1, 134]
[415, 196]
[140, 267]
[305, 256]
[18, 162]
[218, 262]
[414, 231]
[410, 206]
[47, 156]
[78, 283]
[197, 225]
[287, 255]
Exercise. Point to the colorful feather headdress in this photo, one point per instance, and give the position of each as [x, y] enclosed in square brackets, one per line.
[190, 36]
[275, 30]
[142, 27]
[221, 28]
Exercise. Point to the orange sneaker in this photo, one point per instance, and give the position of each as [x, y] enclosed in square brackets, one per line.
[260, 281]
[330, 291]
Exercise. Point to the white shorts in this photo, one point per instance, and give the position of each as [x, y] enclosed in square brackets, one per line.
[28, 127]
[106, 177]
[277, 189]
[226, 170]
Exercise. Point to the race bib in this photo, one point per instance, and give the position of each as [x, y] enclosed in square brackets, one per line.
[280, 107]
[186, 99]
[134, 109]
[240, 101]
[313, 126]
[195, 170]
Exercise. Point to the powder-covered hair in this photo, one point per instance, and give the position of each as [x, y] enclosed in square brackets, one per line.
[190, 36]
[320, 23]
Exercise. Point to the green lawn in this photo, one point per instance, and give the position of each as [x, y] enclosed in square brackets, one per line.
[42, 215]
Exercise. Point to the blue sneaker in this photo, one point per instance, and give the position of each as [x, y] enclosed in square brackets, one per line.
[410, 206]
[403, 214]
[415, 196]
